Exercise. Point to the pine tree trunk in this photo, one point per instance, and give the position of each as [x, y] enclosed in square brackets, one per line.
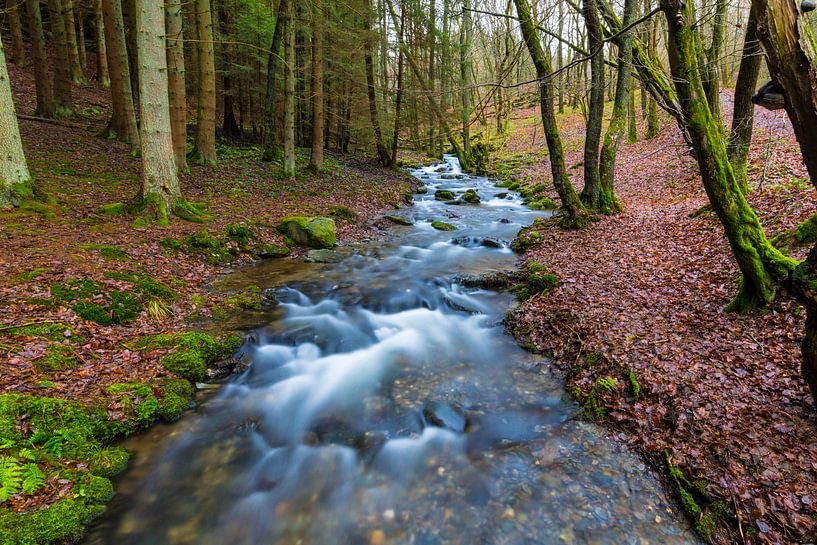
[230, 128]
[175, 79]
[609, 203]
[591, 194]
[16, 28]
[42, 79]
[83, 54]
[71, 39]
[572, 211]
[102, 75]
[62, 60]
[316, 157]
[743, 115]
[122, 124]
[432, 75]
[204, 151]
[762, 266]
[15, 180]
[398, 106]
[368, 59]
[160, 175]
[289, 89]
[272, 148]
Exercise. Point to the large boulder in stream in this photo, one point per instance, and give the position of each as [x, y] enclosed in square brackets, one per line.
[471, 197]
[441, 414]
[318, 232]
[443, 195]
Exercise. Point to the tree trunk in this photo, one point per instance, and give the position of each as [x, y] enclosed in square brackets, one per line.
[591, 194]
[398, 106]
[16, 29]
[71, 39]
[62, 60]
[42, 79]
[743, 116]
[160, 175]
[83, 54]
[15, 180]
[272, 148]
[175, 79]
[368, 58]
[762, 266]
[711, 76]
[102, 75]
[204, 151]
[230, 128]
[560, 60]
[122, 124]
[652, 105]
[790, 53]
[632, 120]
[609, 203]
[432, 76]
[465, 75]
[573, 214]
[289, 89]
[316, 157]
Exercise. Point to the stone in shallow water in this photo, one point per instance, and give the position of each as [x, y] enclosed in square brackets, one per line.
[324, 256]
[399, 220]
[440, 414]
[318, 232]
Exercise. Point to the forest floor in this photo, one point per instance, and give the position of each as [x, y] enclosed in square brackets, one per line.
[68, 243]
[714, 399]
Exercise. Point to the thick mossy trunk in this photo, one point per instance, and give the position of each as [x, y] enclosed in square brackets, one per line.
[15, 180]
[761, 265]
[573, 214]
[743, 116]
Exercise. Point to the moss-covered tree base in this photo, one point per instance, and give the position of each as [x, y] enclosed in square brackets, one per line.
[15, 194]
[153, 210]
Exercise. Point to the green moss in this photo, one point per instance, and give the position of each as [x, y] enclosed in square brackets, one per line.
[471, 197]
[443, 226]
[145, 285]
[186, 364]
[543, 203]
[343, 213]
[107, 251]
[170, 244]
[28, 276]
[806, 233]
[47, 210]
[193, 352]
[192, 212]
[317, 232]
[113, 209]
[443, 195]
[399, 220]
[96, 490]
[238, 233]
[59, 357]
[134, 405]
[592, 358]
[54, 332]
[592, 408]
[270, 251]
[109, 461]
[526, 238]
[536, 283]
[632, 379]
[203, 243]
[175, 397]
[64, 522]
[250, 298]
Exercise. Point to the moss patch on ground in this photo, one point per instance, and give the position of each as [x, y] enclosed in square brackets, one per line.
[193, 352]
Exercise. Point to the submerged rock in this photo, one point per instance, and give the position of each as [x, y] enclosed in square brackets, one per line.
[422, 190]
[318, 232]
[399, 220]
[441, 414]
[324, 256]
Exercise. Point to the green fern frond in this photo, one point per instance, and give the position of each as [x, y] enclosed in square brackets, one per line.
[10, 477]
[33, 478]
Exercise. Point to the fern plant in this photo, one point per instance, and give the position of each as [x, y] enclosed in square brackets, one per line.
[10, 477]
[33, 478]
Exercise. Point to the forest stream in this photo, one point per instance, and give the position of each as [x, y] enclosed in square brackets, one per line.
[385, 404]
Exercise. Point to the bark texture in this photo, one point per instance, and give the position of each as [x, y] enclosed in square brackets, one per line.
[102, 75]
[204, 151]
[122, 124]
[16, 30]
[15, 179]
[316, 157]
[62, 60]
[42, 79]
[591, 194]
[272, 147]
[175, 80]
[289, 89]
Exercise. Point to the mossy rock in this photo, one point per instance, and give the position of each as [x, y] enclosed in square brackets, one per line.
[175, 397]
[193, 352]
[63, 522]
[214, 249]
[133, 406]
[109, 461]
[543, 204]
[238, 233]
[318, 232]
[270, 251]
[399, 220]
[443, 226]
[443, 195]
[471, 197]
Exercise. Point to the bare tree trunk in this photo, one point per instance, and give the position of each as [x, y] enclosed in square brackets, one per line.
[289, 89]
[432, 76]
[230, 128]
[591, 194]
[272, 149]
[160, 175]
[632, 119]
[398, 107]
[466, 64]
[15, 180]
[204, 151]
[71, 39]
[316, 157]
[122, 124]
[83, 54]
[62, 60]
[743, 115]
[175, 79]
[42, 80]
[102, 75]
[18, 48]
[560, 60]
[382, 153]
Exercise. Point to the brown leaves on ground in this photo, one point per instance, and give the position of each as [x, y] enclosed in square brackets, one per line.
[720, 393]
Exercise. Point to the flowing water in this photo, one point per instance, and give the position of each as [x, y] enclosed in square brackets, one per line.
[386, 405]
